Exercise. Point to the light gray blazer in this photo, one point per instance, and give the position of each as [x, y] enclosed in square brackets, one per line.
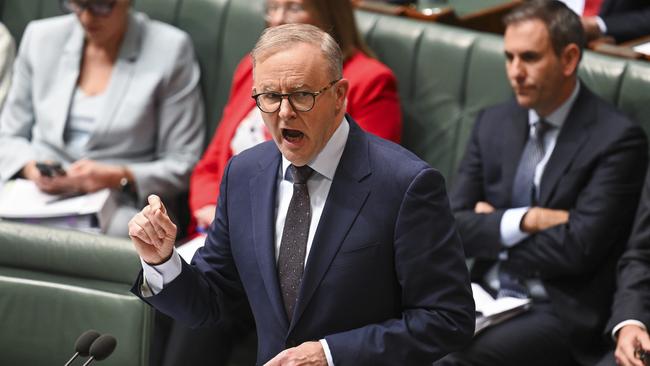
[152, 120]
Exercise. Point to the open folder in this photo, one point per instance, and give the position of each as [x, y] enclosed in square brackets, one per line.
[491, 311]
[21, 200]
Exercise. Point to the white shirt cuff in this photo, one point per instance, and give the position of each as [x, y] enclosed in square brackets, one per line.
[601, 25]
[624, 323]
[328, 353]
[156, 277]
[511, 233]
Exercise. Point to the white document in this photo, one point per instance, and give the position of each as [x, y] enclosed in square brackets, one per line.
[643, 48]
[490, 311]
[22, 199]
[188, 249]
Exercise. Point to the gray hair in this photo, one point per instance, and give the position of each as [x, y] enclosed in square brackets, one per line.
[279, 38]
[564, 26]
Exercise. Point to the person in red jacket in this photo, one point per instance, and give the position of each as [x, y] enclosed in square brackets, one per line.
[372, 97]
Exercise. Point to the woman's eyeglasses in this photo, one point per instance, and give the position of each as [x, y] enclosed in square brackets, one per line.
[289, 11]
[99, 8]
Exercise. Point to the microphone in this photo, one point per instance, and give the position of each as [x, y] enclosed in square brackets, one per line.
[82, 345]
[101, 348]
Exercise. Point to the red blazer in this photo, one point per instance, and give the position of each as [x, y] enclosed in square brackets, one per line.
[372, 102]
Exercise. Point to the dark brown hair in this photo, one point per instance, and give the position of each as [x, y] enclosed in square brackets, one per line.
[563, 25]
[337, 17]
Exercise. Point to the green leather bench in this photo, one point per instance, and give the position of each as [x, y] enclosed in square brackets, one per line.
[446, 75]
[55, 284]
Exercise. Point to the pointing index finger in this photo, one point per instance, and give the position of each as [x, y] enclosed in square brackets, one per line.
[156, 203]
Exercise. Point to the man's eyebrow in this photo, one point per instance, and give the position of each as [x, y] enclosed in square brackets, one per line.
[273, 88]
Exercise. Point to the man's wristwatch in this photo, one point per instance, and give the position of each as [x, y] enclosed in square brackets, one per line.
[125, 184]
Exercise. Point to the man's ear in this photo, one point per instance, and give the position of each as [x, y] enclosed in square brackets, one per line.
[570, 59]
[341, 91]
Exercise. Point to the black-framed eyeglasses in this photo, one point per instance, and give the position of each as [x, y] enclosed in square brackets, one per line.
[100, 8]
[301, 101]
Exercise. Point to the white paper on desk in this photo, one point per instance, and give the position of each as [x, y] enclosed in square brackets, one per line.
[643, 48]
[489, 306]
[21, 198]
[188, 249]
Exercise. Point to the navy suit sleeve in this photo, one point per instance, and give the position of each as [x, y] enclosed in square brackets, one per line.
[479, 232]
[632, 300]
[625, 26]
[600, 218]
[210, 288]
[437, 306]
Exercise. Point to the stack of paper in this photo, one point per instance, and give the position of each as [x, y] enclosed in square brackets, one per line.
[187, 250]
[491, 311]
[21, 200]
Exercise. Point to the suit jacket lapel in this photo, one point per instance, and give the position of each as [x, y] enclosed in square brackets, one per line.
[515, 135]
[121, 77]
[347, 195]
[263, 187]
[573, 135]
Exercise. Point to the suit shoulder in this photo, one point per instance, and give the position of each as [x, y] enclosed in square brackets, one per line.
[163, 33]
[258, 155]
[394, 160]
[50, 31]
[498, 113]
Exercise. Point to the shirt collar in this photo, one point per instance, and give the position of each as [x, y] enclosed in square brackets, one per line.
[558, 116]
[326, 162]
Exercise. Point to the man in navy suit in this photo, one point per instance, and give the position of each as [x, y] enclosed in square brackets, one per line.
[622, 20]
[369, 270]
[545, 195]
[628, 324]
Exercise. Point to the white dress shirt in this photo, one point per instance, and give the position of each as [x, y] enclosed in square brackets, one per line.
[578, 7]
[324, 166]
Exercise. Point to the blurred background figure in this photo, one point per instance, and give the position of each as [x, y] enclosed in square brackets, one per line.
[618, 20]
[7, 54]
[111, 95]
[372, 97]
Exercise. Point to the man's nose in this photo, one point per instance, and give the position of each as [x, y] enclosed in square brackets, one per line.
[286, 109]
[516, 69]
[276, 17]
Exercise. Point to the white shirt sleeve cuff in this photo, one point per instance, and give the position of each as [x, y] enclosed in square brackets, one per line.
[510, 226]
[601, 25]
[624, 323]
[328, 353]
[156, 277]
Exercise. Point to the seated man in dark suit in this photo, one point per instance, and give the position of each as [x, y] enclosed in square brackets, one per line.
[621, 20]
[545, 194]
[630, 318]
[360, 265]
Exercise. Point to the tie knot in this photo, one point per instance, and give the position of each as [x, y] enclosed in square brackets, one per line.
[540, 128]
[300, 174]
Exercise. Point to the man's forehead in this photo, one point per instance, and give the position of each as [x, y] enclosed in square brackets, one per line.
[528, 34]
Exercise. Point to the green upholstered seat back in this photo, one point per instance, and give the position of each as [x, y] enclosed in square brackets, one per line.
[55, 284]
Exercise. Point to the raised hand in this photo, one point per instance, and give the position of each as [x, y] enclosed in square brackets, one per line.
[153, 233]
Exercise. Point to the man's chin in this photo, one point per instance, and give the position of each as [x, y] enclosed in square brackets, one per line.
[524, 101]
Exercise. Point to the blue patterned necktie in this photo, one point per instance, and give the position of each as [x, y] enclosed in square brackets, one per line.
[524, 194]
[523, 190]
[293, 245]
